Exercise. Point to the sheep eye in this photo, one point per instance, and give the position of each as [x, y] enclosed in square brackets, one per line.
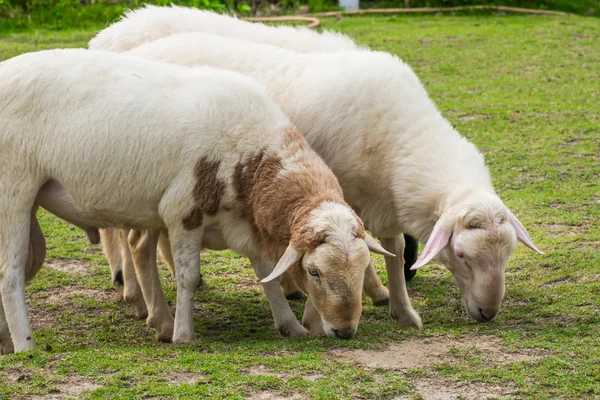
[460, 255]
[313, 271]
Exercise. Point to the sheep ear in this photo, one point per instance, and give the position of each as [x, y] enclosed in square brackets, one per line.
[376, 248]
[289, 258]
[438, 239]
[522, 233]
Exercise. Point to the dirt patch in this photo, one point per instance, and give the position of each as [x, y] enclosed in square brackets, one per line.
[41, 318]
[423, 353]
[269, 395]
[67, 388]
[65, 295]
[264, 371]
[436, 388]
[179, 377]
[472, 117]
[557, 230]
[70, 266]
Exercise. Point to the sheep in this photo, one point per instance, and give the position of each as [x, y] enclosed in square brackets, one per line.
[107, 140]
[151, 22]
[376, 120]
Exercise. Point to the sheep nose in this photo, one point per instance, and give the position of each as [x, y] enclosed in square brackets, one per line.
[344, 333]
[488, 315]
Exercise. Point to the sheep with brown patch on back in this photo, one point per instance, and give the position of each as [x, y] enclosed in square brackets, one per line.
[150, 23]
[402, 166]
[89, 136]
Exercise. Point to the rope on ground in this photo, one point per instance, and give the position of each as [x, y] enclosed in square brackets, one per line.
[314, 21]
[512, 10]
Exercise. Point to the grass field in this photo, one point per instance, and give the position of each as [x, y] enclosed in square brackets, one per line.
[526, 90]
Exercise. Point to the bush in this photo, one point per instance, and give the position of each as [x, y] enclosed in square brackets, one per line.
[60, 14]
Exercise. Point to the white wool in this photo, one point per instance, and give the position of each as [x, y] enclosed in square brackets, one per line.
[151, 22]
[365, 113]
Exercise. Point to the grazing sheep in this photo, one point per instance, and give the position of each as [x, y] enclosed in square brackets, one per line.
[402, 166]
[151, 22]
[107, 140]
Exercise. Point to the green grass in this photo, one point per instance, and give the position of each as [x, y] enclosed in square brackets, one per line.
[526, 91]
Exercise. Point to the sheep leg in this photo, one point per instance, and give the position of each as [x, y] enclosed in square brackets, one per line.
[132, 293]
[165, 251]
[400, 307]
[285, 321]
[6, 344]
[143, 251]
[290, 289]
[14, 257]
[374, 289]
[35, 260]
[312, 320]
[112, 250]
[185, 245]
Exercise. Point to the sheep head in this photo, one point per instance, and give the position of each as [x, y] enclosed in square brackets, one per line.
[331, 256]
[474, 239]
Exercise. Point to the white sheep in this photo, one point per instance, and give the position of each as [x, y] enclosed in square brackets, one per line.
[149, 23]
[402, 166]
[107, 140]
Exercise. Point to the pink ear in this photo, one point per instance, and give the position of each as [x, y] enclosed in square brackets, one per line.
[437, 241]
[522, 233]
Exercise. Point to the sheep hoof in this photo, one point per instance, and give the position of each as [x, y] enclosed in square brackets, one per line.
[293, 330]
[184, 338]
[382, 302]
[165, 335]
[407, 319]
[136, 300]
[297, 295]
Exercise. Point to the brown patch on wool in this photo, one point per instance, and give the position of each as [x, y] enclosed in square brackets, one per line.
[279, 205]
[207, 193]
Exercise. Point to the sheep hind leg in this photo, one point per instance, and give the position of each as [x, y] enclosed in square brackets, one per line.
[35, 260]
[143, 250]
[111, 245]
[285, 321]
[132, 293]
[14, 256]
[400, 307]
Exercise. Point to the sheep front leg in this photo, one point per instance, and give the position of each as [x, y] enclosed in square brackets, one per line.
[400, 307]
[132, 293]
[374, 289]
[143, 251]
[165, 251]
[312, 320]
[285, 321]
[185, 245]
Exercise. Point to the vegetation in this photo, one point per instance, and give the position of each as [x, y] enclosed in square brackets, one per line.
[525, 90]
[82, 14]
